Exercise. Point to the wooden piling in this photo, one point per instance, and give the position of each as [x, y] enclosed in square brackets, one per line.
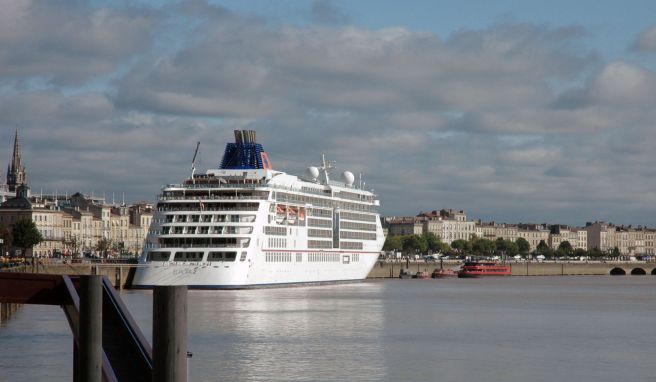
[170, 334]
[89, 360]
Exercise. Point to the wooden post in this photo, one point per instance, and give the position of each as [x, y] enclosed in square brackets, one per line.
[170, 333]
[90, 340]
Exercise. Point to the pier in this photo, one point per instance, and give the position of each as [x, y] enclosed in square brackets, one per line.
[108, 344]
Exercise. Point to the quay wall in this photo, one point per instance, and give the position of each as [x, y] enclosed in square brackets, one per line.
[384, 269]
[121, 274]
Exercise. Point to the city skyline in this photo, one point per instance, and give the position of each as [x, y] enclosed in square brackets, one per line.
[523, 115]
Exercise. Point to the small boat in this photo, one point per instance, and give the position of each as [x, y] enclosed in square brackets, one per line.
[480, 269]
[440, 273]
[404, 273]
[421, 275]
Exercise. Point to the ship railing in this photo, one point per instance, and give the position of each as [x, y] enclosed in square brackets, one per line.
[205, 197]
[251, 209]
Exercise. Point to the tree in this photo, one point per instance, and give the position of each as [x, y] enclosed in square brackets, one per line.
[596, 253]
[543, 249]
[461, 245]
[523, 246]
[413, 244]
[580, 252]
[393, 243]
[616, 252]
[482, 246]
[26, 235]
[434, 243]
[565, 248]
[102, 246]
[7, 239]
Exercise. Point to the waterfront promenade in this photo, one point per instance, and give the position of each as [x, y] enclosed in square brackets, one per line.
[391, 269]
[121, 274]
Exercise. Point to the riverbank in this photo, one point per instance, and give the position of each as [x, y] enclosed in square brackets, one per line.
[386, 269]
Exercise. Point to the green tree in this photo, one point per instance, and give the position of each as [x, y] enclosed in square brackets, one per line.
[26, 235]
[565, 248]
[461, 245]
[7, 239]
[523, 246]
[543, 249]
[102, 246]
[482, 246]
[511, 248]
[596, 253]
[393, 243]
[616, 252]
[413, 244]
[580, 252]
[434, 243]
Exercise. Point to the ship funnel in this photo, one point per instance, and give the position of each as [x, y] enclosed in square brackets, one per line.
[245, 153]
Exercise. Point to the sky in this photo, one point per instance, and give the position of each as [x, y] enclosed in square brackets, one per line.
[515, 111]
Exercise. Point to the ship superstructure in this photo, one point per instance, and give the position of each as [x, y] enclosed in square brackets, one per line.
[246, 225]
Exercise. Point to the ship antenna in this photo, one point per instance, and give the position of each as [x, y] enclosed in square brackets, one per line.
[193, 163]
[326, 166]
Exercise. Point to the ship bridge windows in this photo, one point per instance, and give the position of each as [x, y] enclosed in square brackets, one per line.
[158, 256]
[188, 256]
[222, 256]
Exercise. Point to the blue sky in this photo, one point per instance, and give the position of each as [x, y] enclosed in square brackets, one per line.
[516, 111]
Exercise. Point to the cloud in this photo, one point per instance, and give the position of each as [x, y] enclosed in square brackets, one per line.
[646, 42]
[471, 120]
[67, 43]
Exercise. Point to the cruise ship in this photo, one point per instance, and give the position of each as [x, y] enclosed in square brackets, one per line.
[246, 225]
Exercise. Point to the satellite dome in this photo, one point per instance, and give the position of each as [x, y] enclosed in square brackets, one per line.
[312, 172]
[348, 178]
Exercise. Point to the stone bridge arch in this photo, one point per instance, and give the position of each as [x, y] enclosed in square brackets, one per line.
[638, 271]
[617, 271]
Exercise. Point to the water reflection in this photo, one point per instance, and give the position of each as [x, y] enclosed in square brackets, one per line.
[510, 330]
[317, 333]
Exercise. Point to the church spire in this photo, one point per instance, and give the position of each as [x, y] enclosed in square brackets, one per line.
[16, 171]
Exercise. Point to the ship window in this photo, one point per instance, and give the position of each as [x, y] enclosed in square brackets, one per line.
[188, 256]
[158, 256]
[299, 257]
[207, 218]
[243, 256]
[346, 259]
[169, 218]
[222, 256]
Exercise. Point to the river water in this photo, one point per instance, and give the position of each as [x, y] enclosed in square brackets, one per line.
[596, 328]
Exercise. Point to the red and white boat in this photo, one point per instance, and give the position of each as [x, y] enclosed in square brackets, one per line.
[480, 269]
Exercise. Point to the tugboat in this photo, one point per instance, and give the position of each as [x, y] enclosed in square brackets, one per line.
[480, 269]
[440, 273]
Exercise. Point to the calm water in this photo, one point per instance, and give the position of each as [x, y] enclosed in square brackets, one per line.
[509, 329]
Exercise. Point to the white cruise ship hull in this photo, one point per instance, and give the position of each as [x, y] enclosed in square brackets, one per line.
[242, 275]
